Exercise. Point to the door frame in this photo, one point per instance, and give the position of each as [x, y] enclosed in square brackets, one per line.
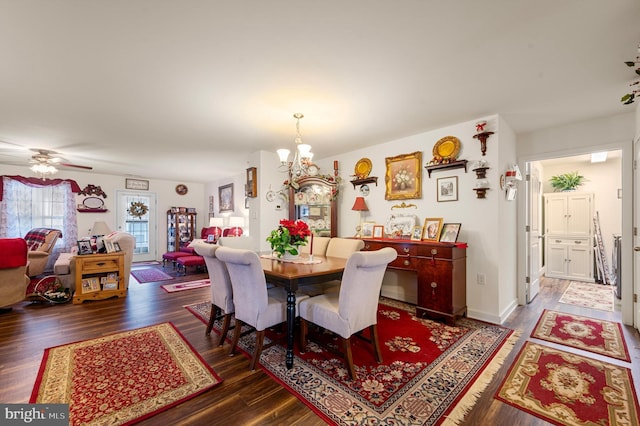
[628, 220]
[153, 221]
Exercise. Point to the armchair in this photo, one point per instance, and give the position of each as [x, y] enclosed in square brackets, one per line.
[13, 269]
[127, 243]
[40, 242]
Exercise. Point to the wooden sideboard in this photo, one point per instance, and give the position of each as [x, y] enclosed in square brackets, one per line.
[442, 274]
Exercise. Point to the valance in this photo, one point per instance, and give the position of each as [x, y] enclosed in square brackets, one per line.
[34, 181]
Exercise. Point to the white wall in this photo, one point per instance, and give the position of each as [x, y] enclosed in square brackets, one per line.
[164, 190]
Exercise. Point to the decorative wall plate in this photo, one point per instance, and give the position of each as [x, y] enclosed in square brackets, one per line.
[447, 147]
[363, 168]
[300, 198]
[182, 189]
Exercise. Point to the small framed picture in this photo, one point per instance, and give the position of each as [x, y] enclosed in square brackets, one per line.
[378, 231]
[90, 284]
[367, 229]
[108, 245]
[116, 247]
[211, 238]
[450, 232]
[431, 229]
[447, 189]
[84, 247]
[416, 234]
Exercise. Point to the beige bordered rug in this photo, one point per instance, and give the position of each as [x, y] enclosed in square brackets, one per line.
[587, 295]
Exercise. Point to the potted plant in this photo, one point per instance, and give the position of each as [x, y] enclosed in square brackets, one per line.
[287, 237]
[567, 181]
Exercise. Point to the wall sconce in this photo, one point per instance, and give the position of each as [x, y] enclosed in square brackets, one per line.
[360, 206]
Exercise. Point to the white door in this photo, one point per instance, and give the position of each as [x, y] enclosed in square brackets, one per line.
[141, 226]
[534, 225]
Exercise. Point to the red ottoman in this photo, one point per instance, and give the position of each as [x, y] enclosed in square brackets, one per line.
[172, 256]
[188, 260]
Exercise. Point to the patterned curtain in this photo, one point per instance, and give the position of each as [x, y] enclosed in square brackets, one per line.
[24, 207]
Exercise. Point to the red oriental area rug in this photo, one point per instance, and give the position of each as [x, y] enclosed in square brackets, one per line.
[122, 378]
[148, 275]
[569, 389]
[589, 334]
[431, 372]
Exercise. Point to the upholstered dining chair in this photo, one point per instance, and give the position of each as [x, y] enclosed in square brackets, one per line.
[255, 305]
[244, 243]
[320, 245]
[221, 291]
[354, 307]
[336, 247]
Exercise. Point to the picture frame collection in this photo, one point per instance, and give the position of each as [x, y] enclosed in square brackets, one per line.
[432, 229]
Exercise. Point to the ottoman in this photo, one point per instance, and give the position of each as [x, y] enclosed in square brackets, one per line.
[184, 261]
[173, 256]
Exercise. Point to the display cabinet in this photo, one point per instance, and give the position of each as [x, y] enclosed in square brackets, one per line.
[314, 202]
[181, 228]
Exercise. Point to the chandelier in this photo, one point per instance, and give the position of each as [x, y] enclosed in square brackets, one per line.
[299, 165]
[43, 169]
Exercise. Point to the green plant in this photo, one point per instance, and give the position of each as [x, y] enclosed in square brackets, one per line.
[288, 236]
[629, 97]
[567, 181]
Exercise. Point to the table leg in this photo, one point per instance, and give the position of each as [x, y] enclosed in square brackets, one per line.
[291, 318]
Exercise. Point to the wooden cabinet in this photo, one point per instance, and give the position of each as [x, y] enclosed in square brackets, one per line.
[441, 271]
[568, 225]
[99, 276]
[314, 202]
[181, 229]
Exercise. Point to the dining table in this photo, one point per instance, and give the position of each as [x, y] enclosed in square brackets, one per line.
[293, 274]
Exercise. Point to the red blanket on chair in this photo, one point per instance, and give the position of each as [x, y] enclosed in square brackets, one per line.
[13, 253]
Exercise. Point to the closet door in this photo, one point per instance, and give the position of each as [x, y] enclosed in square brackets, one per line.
[580, 215]
[556, 214]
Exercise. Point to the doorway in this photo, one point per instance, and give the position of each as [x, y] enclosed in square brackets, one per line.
[136, 214]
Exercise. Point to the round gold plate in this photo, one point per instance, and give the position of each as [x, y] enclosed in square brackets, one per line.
[363, 168]
[447, 147]
[182, 189]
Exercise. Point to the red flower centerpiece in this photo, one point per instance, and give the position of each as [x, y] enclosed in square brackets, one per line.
[287, 237]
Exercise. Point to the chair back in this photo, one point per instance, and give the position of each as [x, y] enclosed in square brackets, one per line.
[360, 289]
[243, 243]
[343, 247]
[221, 291]
[248, 282]
[319, 246]
[42, 239]
[13, 270]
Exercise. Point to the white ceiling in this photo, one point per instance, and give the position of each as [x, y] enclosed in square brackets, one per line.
[186, 90]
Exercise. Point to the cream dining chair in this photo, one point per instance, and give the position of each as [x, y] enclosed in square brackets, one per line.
[336, 247]
[221, 290]
[354, 307]
[255, 305]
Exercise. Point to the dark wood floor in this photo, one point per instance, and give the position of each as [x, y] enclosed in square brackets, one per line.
[244, 397]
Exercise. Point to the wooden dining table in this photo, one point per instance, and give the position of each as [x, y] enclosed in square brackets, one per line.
[292, 276]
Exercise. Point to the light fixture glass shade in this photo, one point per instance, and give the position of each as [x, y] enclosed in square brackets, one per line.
[304, 150]
[360, 205]
[217, 222]
[43, 169]
[283, 154]
[100, 228]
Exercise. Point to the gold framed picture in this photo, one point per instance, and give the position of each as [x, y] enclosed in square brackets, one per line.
[432, 228]
[225, 195]
[403, 177]
[416, 234]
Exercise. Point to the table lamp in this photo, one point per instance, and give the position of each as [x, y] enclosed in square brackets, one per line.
[236, 223]
[99, 230]
[360, 206]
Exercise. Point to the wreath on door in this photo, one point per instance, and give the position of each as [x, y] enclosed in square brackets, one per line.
[137, 209]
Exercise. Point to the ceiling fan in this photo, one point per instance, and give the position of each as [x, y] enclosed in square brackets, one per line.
[45, 157]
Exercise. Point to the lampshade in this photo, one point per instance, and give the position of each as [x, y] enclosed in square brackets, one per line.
[236, 222]
[99, 228]
[218, 222]
[360, 205]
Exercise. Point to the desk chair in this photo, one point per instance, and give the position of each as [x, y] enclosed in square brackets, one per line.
[354, 307]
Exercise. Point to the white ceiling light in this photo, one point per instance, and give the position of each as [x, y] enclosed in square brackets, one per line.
[599, 157]
[43, 169]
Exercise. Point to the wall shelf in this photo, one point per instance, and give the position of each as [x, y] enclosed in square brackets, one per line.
[453, 165]
[372, 179]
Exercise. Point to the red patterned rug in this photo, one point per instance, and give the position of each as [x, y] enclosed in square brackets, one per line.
[148, 275]
[589, 334]
[122, 378]
[431, 371]
[569, 389]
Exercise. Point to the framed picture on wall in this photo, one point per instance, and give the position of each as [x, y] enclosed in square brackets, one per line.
[225, 195]
[403, 177]
[447, 189]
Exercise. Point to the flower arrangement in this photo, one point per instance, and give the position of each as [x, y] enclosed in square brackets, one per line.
[137, 209]
[288, 236]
